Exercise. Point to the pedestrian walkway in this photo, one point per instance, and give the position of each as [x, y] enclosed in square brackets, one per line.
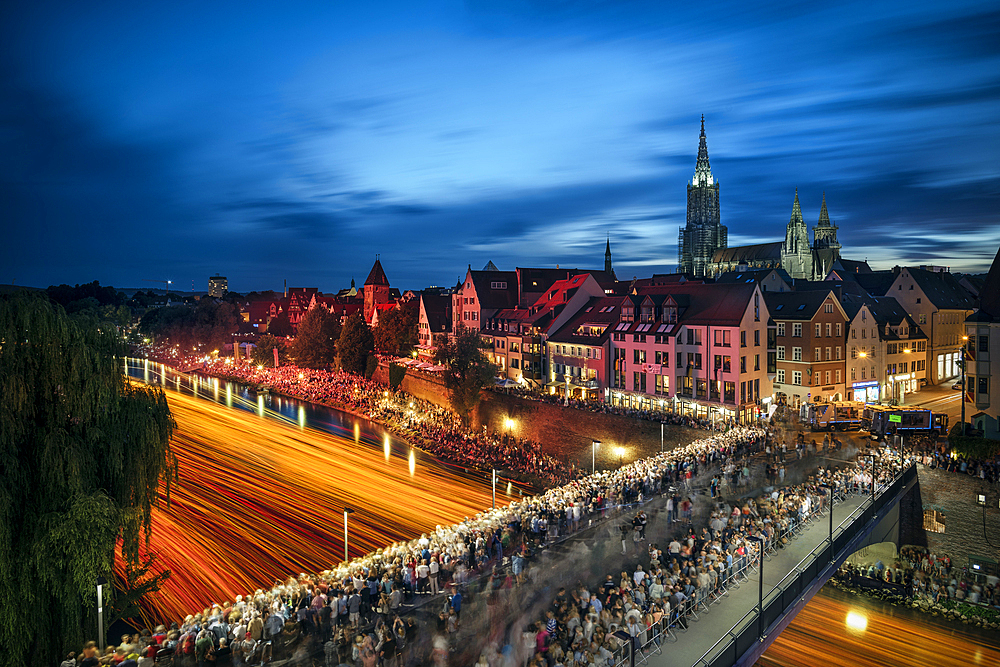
[713, 625]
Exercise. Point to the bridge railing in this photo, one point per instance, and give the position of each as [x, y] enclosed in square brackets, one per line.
[751, 627]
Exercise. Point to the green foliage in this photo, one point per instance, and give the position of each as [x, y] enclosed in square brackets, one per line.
[467, 370]
[263, 353]
[279, 325]
[83, 454]
[355, 345]
[396, 332]
[396, 375]
[65, 295]
[972, 446]
[207, 326]
[315, 346]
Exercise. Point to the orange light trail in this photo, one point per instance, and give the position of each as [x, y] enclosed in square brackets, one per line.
[259, 501]
[837, 629]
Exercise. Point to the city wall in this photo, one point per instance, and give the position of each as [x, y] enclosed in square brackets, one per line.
[953, 495]
[563, 432]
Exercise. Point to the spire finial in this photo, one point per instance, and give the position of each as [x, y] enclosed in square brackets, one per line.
[703, 123]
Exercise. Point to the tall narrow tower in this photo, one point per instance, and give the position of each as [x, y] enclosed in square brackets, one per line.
[376, 289]
[825, 233]
[702, 234]
[796, 252]
[608, 269]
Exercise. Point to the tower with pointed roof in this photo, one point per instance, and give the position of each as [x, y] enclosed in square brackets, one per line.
[703, 232]
[377, 290]
[825, 233]
[607, 258]
[796, 251]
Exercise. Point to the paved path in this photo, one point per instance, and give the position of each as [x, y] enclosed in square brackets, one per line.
[691, 645]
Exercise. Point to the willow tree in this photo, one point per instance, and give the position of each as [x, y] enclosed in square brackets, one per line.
[83, 453]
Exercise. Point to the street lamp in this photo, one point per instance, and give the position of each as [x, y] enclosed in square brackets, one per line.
[620, 451]
[964, 338]
[593, 456]
[662, 423]
[760, 585]
[494, 488]
[829, 492]
[101, 582]
[347, 510]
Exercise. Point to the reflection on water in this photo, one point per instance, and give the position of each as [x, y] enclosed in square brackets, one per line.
[263, 481]
[837, 629]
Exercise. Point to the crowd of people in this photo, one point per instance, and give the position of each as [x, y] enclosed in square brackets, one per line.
[918, 574]
[936, 455]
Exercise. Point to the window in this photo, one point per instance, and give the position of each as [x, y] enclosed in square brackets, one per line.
[680, 360]
[756, 362]
[743, 339]
[818, 356]
[697, 360]
[639, 356]
[828, 355]
[662, 383]
[829, 329]
[756, 307]
[819, 331]
[854, 374]
[797, 330]
[781, 376]
[723, 337]
[498, 285]
[781, 328]
[828, 308]
[984, 343]
[797, 377]
[796, 354]
[639, 381]
[756, 337]
[827, 377]
[839, 330]
[921, 319]
[984, 387]
[727, 364]
[863, 373]
[838, 375]
[781, 353]
[513, 362]
[729, 392]
[743, 392]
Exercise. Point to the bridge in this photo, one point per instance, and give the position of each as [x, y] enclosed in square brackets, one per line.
[736, 631]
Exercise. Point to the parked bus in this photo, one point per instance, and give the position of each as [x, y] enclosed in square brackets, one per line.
[838, 415]
[881, 420]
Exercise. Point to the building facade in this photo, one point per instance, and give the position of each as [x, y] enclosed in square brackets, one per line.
[810, 334]
[982, 331]
[886, 352]
[218, 286]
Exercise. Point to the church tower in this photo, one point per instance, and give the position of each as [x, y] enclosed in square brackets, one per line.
[608, 269]
[377, 289]
[796, 253]
[703, 234]
[825, 233]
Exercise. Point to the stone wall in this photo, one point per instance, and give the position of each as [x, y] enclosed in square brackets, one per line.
[954, 495]
[564, 432]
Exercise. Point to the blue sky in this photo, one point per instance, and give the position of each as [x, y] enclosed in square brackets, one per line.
[273, 141]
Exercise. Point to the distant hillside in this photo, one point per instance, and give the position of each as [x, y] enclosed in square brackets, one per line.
[7, 289]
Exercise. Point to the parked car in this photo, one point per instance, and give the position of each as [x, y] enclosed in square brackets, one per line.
[957, 386]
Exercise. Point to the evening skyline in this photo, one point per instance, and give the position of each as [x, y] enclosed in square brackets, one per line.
[295, 141]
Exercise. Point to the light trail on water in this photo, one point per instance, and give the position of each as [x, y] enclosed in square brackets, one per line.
[259, 500]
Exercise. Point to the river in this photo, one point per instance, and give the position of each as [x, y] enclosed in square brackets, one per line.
[263, 484]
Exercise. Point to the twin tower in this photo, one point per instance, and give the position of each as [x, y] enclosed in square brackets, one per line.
[703, 243]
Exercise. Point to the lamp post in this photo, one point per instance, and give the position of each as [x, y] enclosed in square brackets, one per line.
[620, 451]
[662, 424]
[347, 510]
[964, 339]
[760, 583]
[101, 582]
[593, 456]
[829, 492]
[494, 488]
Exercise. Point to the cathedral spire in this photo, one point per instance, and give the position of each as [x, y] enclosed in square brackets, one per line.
[607, 257]
[703, 170]
[824, 217]
[796, 211]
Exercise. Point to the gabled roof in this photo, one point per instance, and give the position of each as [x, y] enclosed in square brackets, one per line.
[796, 305]
[437, 307]
[599, 311]
[876, 283]
[491, 298]
[703, 304]
[943, 289]
[752, 276]
[852, 266]
[759, 252]
[377, 275]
